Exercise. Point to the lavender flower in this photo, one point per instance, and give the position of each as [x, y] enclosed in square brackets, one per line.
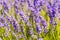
[37, 20]
[44, 23]
[1, 1]
[16, 8]
[40, 39]
[2, 21]
[38, 28]
[45, 30]
[30, 3]
[24, 17]
[23, 0]
[13, 22]
[35, 2]
[29, 25]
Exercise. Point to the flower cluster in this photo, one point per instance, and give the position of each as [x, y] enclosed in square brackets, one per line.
[29, 19]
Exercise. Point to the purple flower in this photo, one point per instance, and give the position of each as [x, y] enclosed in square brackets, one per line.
[1, 24]
[21, 14]
[23, 0]
[16, 2]
[31, 8]
[1, 1]
[14, 24]
[30, 4]
[2, 20]
[52, 13]
[37, 21]
[40, 39]
[4, 4]
[16, 9]
[38, 28]
[35, 2]
[59, 8]
[44, 23]
[45, 30]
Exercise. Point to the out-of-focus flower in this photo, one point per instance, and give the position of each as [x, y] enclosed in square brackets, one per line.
[40, 39]
[30, 17]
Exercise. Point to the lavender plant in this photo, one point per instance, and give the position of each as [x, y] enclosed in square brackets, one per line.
[29, 19]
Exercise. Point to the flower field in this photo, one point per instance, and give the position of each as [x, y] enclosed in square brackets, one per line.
[29, 19]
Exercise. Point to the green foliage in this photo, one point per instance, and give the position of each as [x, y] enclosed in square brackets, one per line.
[51, 35]
[58, 30]
[6, 38]
[27, 32]
[11, 36]
[21, 39]
[2, 31]
[15, 16]
[11, 27]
